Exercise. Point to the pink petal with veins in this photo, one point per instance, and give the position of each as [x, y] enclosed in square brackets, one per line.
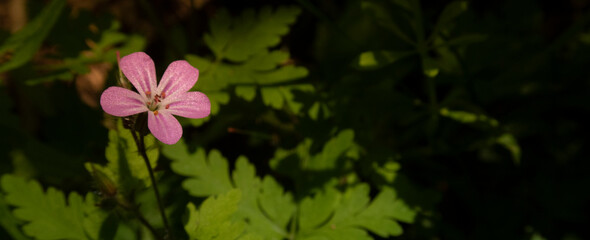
[139, 68]
[191, 105]
[121, 102]
[164, 127]
[179, 77]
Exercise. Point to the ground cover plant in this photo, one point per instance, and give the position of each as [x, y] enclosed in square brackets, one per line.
[300, 120]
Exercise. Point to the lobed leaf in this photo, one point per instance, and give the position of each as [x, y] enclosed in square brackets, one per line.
[351, 214]
[207, 174]
[48, 214]
[239, 38]
[213, 219]
[244, 40]
[264, 205]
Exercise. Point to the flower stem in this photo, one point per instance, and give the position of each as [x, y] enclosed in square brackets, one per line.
[142, 151]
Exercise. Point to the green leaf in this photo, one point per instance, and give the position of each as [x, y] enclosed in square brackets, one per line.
[430, 67]
[245, 40]
[264, 204]
[319, 109]
[468, 117]
[264, 68]
[9, 222]
[333, 215]
[126, 168]
[334, 149]
[509, 142]
[25, 43]
[111, 41]
[272, 97]
[324, 160]
[239, 38]
[47, 214]
[376, 59]
[208, 175]
[276, 204]
[316, 211]
[246, 92]
[213, 220]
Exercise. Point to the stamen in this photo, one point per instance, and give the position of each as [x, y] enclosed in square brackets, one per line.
[148, 94]
[167, 106]
[163, 95]
[156, 113]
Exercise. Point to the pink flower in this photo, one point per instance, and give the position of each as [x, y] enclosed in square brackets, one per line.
[160, 101]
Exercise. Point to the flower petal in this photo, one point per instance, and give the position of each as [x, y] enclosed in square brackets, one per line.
[139, 68]
[164, 127]
[179, 77]
[121, 102]
[191, 105]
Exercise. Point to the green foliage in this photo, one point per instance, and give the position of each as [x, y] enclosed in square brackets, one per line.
[332, 215]
[111, 40]
[333, 156]
[268, 210]
[268, 220]
[22, 45]
[47, 214]
[213, 220]
[9, 222]
[240, 38]
[242, 58]
[208, 174]
[125, 169]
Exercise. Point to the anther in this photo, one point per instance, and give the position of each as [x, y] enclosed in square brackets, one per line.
[163, 95]
[167, 106]
[156, 113]
[148, 93]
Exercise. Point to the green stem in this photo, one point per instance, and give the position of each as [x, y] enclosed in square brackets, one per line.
[142, 151]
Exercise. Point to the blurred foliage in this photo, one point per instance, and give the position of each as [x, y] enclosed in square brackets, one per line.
[357, 119]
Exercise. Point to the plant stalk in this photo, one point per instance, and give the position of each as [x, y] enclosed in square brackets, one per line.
[139, 140]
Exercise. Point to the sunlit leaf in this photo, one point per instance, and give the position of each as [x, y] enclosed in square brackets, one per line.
[8, 222]
[246, 92]
[430, 67]
[509, 142]
[208, 174]
[350, 214]
[376, 59]
[468, 117]
[48, 215]
[264, 205]
[213, 220]
[300, 157]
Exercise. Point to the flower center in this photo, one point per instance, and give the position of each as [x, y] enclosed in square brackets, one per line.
[153, 104]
